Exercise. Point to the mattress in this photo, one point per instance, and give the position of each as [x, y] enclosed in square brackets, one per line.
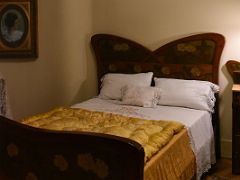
[197, 122]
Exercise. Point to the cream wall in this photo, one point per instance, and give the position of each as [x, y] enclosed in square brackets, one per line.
[64, 72]
[156, 22]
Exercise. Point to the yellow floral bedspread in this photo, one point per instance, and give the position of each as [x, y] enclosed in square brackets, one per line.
[151, 134]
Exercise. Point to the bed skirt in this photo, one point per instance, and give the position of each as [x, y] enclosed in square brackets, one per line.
[176, 161]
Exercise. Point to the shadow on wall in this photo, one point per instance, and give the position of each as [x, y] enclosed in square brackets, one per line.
[226, 101]
[82, 93]
[89, 86]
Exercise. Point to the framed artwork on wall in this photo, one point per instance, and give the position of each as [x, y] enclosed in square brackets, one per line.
[18, 29]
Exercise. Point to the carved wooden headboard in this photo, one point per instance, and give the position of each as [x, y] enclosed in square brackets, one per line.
[233, 67]
[193, 57]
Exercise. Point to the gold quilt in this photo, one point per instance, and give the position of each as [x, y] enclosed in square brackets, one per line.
[151, 134]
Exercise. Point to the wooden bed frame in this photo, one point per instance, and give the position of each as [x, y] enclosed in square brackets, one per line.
[193, 57]
[45, 154]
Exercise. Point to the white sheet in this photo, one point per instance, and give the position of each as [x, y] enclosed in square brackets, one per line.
[197, 122]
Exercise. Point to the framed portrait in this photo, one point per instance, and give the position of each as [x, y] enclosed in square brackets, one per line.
[18, 29]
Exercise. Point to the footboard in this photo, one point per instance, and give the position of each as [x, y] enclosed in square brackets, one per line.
[31, 153]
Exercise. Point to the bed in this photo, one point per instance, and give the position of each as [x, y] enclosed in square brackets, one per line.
[32, 152]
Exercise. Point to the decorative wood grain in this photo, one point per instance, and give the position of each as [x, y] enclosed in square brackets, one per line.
[193, 57]
[32, 153]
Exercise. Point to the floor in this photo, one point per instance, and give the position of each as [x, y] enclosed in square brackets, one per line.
[223, 171]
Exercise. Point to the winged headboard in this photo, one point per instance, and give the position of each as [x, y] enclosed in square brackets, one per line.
[193, 57]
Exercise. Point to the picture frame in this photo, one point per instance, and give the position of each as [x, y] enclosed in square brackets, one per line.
[18, 29]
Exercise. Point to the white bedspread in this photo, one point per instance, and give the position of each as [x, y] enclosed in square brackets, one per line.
[197, 122]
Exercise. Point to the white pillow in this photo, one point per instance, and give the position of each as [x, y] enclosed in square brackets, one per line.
[140, 96]
[112, 83]
[187, 93]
